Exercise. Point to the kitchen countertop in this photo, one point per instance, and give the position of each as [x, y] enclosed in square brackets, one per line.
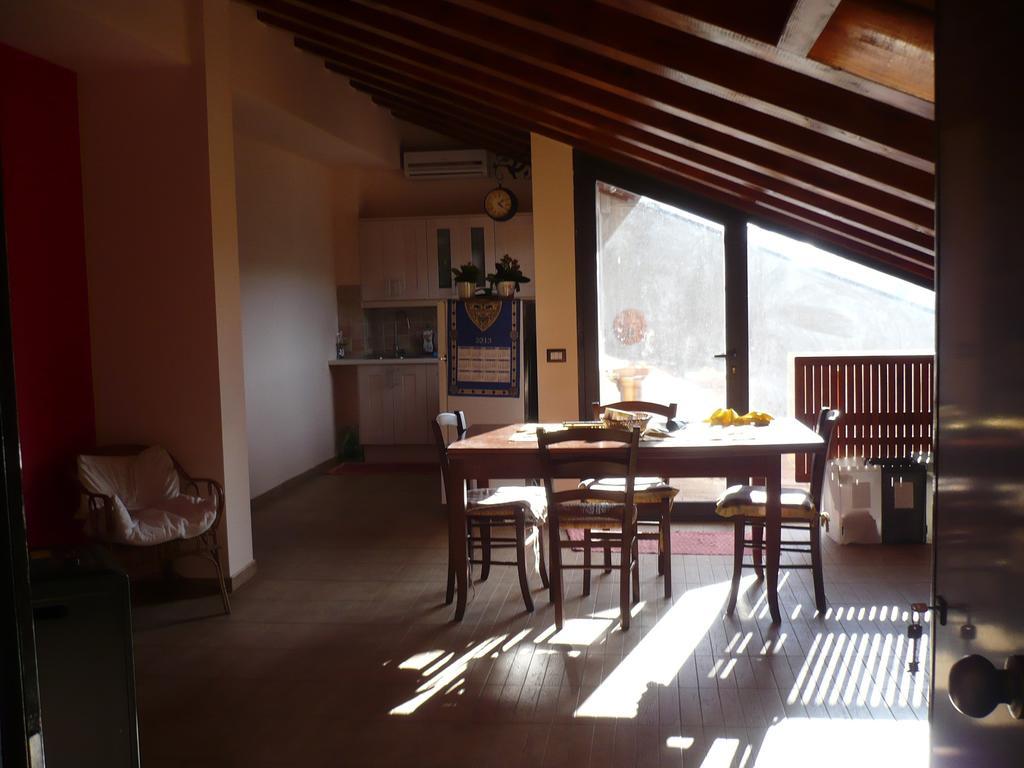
[421, 360]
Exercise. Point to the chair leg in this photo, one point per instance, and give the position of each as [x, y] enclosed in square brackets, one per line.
[213, 554]
[819, 582]
[555, 553]
[739, 528]
[666, 545]
[635, 566]
[485, 546]
[624, 558]
[586, 561]
[524, 583]
[449, 592]
[607, 558]
[542, 558]
[757, 534]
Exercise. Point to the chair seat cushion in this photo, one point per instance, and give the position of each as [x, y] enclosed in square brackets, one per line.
[646, 490]
[750, 500]
[505, 500]
[590, 514]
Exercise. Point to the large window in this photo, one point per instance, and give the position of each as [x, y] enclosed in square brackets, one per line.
[661, 303]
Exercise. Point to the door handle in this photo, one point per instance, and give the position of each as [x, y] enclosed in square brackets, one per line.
[724, 355]
[976, 687]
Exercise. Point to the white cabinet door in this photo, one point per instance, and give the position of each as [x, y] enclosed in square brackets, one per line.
[393, 259]
[373, 249]
[454, 241]
[415, 403]
[442, 256]
[376, 405]
[515, 237]
[409, 266]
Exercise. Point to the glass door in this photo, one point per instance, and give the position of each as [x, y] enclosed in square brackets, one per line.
[661, 314]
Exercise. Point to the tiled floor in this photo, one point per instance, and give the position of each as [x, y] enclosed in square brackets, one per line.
[341, 653]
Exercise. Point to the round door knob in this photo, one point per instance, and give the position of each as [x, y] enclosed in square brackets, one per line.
[976, 686]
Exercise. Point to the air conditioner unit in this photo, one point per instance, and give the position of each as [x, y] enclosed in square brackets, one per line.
[447, 164]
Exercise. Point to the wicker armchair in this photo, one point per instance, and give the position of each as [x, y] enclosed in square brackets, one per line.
[104, 515]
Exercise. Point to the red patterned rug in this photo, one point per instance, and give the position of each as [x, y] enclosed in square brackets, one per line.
[684, 542]
[384, 468]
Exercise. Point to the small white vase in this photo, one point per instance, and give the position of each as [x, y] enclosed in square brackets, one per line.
[507, 289]
[465, 290]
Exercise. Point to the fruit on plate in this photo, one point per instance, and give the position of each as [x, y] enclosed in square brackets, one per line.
[726, 417]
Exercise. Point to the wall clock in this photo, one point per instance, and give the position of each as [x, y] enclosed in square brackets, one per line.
[501, 204]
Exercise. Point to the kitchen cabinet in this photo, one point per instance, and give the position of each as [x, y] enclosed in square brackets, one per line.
[515, 237]
[397, 403]
[393, 259]
[456, 240]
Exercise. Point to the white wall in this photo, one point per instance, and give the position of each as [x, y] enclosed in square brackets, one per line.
[289, 309]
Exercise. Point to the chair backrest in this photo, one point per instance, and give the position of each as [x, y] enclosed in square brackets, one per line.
[456, 419]
[658, 409]
[826, 428]
[618, 460]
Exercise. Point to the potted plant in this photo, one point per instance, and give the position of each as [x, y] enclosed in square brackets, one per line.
[507, 276]
[466, 278]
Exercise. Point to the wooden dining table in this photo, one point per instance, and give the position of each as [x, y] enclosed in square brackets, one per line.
[696, 450]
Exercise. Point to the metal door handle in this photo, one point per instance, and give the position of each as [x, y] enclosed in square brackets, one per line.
[727, 353]
[976, 687]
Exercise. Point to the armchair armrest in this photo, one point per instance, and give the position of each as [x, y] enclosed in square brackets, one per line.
[99, 512]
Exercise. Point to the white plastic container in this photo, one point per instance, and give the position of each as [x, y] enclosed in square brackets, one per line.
[852, 497]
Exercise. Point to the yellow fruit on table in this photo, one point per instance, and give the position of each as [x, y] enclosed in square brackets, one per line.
[725, 417]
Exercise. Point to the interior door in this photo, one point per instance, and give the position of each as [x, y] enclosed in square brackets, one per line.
[979, 513]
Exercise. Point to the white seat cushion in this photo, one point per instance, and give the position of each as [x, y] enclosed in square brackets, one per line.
[502, 500]
[149, 507]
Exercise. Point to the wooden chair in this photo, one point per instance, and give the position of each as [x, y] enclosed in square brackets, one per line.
[102, 517]
[654, 496]
[523, 508]
[607, 517]
[801, 510]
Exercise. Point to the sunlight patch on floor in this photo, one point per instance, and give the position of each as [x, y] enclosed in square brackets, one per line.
[807, 743]
[660, 654]
[447, 677]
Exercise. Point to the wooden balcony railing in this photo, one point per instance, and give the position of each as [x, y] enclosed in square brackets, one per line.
[886, 401]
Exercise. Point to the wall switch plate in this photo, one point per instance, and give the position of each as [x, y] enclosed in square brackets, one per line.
[556, 355]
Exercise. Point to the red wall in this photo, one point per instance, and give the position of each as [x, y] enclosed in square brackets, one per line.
[42, 187]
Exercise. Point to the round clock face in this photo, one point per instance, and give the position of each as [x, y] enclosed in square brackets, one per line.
[500, 204]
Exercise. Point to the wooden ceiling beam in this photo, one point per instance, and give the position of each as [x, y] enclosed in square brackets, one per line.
[440, 104]
[663, 105]
[763, 20]
[663, 12]
[805, 25]
[556, 32]
[764, 168]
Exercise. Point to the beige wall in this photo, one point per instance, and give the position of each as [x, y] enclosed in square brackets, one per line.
[286, 239]
[554, 251]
